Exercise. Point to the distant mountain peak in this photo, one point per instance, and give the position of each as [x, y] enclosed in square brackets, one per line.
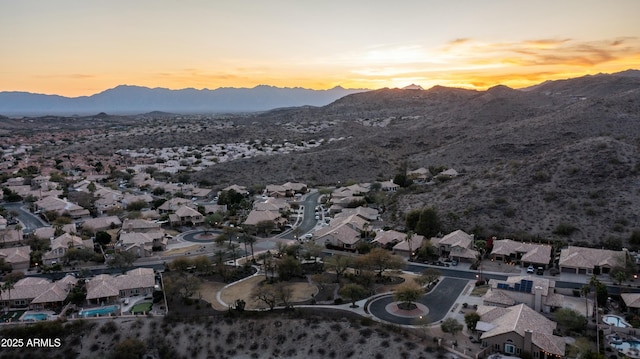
[413, 87]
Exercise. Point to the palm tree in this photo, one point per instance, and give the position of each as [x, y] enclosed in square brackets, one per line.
[584, 291]
[8, 285]
[247, 238]
[409, 239]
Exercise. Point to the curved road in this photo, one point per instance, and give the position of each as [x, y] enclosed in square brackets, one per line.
[439, 301]
[308, 220]
[29, 221]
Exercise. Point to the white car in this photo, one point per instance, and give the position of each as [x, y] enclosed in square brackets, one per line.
[530, 269]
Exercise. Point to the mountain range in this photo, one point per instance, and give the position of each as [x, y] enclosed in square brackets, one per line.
[127, 99]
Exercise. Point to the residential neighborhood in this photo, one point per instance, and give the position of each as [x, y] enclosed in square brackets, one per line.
[138, 225]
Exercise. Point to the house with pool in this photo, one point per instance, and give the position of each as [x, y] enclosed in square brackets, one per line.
[517, 330]
[37, 293]
[107, 289]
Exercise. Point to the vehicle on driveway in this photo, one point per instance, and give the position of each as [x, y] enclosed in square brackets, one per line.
[530, 269]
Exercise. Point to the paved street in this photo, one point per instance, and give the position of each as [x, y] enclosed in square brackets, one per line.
[439, 301]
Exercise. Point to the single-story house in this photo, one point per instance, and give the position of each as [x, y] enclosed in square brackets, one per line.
[18, 257]
[388, 239]
[37, 293]
[60, 206]
[589, 261]
[407, 248]
[94, 225]
[107, 289]
[508, 250]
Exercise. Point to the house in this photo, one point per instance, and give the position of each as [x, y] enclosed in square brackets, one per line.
[421, 174]
[140, 226]
[295, 187]
[589, 261]
[277, 191]
[50, 232]
[389, 186]
[407, 248]
[10, 236]
[94, 225]
[18, 257]
[172, 205]
[38, 293]
[632, 301]
[517, 330]
[186, 216]
[61, 245]
[388, 239]
[524, 254]
[142, 244]
[3, 223]
[238, 189]
[344, 235]
[133, 198]
[369, 214]
[107, 289]
[456, 245]
[256, 217]
[60, 206]
[536, 292]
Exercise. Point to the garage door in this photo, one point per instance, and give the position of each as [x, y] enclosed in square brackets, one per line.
[568, 270]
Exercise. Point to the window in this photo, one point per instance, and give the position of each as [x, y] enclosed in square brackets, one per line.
[496, 346]
[509, 349]
[536, 354]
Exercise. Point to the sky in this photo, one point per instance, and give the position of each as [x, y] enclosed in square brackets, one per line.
[82, 47]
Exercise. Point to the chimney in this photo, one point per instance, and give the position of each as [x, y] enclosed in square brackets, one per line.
[537, 305]
[528, 347]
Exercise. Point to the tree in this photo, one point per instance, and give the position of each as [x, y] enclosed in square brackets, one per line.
[248, 239]
[7, 286]
[91, 187]
[284, 293]
[452, 326]
[409, 239]
[103, 238]
[380, 260]
[202, 264]
[289, 267]
[428, 276]
[353, 292]
[121, 260]
[429, 223]
[180, 264]
[570, 319]
[471, 319]
[407, 294]
[266, 293]
[338, 264]
[265, 227]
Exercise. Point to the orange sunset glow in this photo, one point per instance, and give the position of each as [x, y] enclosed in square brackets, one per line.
[77, 48]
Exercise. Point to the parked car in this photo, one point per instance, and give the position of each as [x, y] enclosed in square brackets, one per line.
[454, 262]
[530, 269]
[540, 271]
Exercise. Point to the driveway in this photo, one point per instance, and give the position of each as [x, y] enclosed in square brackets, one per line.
[439, 301]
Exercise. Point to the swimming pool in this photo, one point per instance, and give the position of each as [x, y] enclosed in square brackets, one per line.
[627, 344]
[98, 311]
[34, 317]
[615, 321]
